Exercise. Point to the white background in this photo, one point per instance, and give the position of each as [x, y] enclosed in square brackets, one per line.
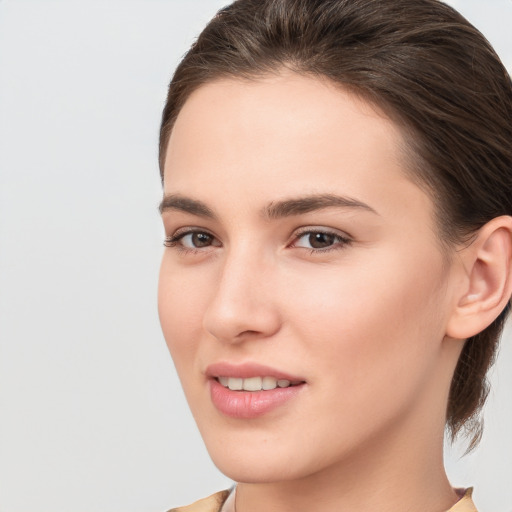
[91, 414]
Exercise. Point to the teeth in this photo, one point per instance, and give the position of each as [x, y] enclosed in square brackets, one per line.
[235, 384]
[253, 383]
[269, 383]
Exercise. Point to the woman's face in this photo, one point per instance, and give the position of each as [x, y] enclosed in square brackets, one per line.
[299, 255]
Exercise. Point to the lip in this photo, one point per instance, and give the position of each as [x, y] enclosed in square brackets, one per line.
[248, 370]
[249, 404]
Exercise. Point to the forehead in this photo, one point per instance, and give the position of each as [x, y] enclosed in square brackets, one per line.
[285, 135]
[282, 104]
[279, 109]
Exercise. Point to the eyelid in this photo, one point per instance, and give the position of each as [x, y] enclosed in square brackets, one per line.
[321, 229]
[343, 238]
[174, 239]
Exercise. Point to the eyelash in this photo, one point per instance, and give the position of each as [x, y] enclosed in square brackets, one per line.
[340, 241]
[174, 240]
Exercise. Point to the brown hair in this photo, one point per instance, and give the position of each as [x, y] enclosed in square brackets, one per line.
[430, 70]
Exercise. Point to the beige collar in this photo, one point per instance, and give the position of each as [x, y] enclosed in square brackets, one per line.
[224, 501]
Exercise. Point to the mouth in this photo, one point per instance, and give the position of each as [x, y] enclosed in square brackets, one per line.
[249, 391]
[253, 384]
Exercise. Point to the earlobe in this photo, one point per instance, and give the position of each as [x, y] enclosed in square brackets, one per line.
[488, 284]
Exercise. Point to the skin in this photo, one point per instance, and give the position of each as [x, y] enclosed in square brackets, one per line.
[363, 321]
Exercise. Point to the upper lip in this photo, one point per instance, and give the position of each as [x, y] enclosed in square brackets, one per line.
[248, 370]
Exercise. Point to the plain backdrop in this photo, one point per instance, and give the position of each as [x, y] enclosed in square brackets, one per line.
[92, 417]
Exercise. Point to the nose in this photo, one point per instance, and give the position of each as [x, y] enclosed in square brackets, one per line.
[244, 304]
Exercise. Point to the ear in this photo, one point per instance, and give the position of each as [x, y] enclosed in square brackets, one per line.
[487, 285]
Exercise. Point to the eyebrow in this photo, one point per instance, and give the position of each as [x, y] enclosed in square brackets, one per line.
[301, 205]
[186, 204]
[275, 210]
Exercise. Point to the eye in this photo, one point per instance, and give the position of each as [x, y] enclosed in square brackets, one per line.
[191, 240]
[196, 240]
[318, 240]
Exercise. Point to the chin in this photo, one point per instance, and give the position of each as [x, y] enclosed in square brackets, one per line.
[244, 462]
[266, 460]
[251, 457]
[255, 470]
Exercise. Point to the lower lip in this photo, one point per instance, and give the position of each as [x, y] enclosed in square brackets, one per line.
[250, 404]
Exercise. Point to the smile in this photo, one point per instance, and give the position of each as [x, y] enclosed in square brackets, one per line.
[255, 383]
[251, 390]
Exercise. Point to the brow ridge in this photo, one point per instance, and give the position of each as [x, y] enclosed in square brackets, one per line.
[186, 205]
[306, 204]
[274, 210]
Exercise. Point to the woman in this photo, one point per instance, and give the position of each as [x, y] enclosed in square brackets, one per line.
[338, 212]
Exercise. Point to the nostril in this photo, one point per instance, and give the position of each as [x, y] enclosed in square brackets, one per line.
[248, 333]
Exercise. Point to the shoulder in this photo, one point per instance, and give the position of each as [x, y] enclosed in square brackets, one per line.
[211, 504]
[465, 504]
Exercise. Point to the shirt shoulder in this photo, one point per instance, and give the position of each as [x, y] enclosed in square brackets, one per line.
[465, 504]
[211, 504]
[214, 503]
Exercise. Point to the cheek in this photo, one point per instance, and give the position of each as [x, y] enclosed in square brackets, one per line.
[371, 329]
[180, 298]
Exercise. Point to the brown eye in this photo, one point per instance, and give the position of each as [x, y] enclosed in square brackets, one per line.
[192, 240]
[199, 239]
[321, 240]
